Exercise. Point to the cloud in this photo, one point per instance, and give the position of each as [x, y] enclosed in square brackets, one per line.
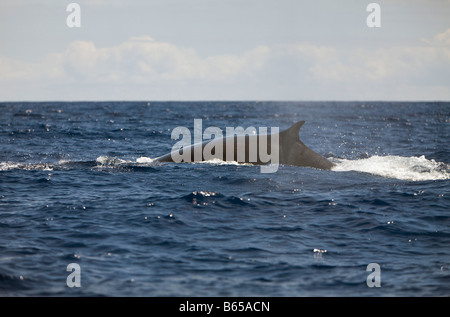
[297, 71]
[144, 60]
[398, 72]
[441, 39]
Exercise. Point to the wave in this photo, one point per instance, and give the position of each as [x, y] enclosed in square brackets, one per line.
[397, 167]
[6, 166]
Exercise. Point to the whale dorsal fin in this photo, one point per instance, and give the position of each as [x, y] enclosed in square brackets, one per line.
[293, 131]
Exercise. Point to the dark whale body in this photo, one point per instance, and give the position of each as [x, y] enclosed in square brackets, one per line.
[291, 150]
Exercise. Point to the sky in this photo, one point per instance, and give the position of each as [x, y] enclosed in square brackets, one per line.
[224, 50]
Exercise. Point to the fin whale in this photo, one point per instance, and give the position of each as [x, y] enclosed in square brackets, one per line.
[291, 150]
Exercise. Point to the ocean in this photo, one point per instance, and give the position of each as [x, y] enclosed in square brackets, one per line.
[78, 188]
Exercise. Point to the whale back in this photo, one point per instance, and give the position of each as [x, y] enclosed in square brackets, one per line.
[294, 152]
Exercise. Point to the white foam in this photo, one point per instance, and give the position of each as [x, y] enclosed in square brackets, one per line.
[143, 160]
[108, 160]
[217, 161]
[397, 167]
[6, 166]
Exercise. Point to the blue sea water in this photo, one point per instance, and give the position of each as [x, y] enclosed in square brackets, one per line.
[78, 185]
